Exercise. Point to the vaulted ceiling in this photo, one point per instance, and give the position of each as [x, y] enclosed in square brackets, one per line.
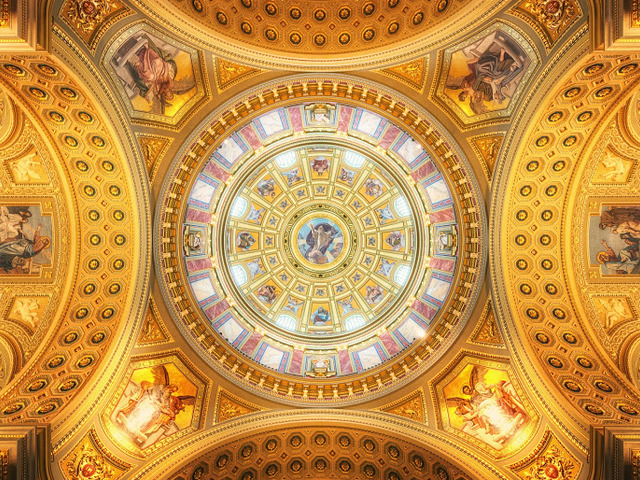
[373, 239]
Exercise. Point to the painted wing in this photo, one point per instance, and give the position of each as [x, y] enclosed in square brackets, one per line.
[456, 402]
[183, 86]
[187, 399]
[160, 375]
[477, 375]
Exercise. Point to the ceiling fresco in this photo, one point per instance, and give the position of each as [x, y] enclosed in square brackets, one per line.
[376, 239]
[362, 274]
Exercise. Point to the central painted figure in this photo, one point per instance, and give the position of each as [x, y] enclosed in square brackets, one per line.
[320, 241]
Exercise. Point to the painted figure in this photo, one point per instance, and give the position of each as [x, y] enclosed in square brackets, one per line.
[374, 294]
[293, 305]
[395, 240]
[267, 293]
[292, 176]
[320, 317]
[621, 220]
[385, 267]
[495, 64]
[318, 241]
[16, 248]
[255, 268]
[255, 214]
[492, 412]
[266, 188]
[154, 408]
[346, 305]
[619, 229]
[373, 187]
[245, 240]
[346, 176]
[384, 214]
[154, 72]
[626, 261]
[320, 165]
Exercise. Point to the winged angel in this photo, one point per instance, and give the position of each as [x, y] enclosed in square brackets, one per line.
[152, 408]
[319, 239]
[490, 412]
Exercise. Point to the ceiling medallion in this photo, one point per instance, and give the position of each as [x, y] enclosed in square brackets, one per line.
[320, 241]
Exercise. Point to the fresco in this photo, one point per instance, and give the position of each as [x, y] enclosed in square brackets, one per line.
[157, 402]
[483, 403]
[320, 241]
[614, 236]
[482, 77]
[25, 239]
[157, 75]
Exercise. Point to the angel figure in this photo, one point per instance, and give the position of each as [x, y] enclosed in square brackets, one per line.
[154, 72]
[615, 311]
[25, 168]
[491, 412]
[152, 409]
[319, 239]
[28, 310]
[293, 305]
[614, 167]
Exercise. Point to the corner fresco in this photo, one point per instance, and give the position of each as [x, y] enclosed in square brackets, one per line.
[158, 77]
[483, 405]
[614, 237]
[25, 239]
[160, 400]
[482, 77]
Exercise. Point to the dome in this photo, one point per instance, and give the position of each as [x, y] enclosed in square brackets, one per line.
[320, 241]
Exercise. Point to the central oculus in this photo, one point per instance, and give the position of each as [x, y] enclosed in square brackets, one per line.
[320, 240]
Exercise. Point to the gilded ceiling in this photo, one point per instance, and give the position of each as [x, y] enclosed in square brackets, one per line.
[374, 239]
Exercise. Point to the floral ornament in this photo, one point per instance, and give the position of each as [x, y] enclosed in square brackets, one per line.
[553, 14]
[552, 465]
[88, 14]
[87, 464]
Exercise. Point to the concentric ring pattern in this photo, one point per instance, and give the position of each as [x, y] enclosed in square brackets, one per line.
[319, 240]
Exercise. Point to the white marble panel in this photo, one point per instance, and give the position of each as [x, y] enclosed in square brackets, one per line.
[272, 357]
[438, 191]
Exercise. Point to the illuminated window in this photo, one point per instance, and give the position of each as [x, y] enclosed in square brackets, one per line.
[353, 159]
[287, 322]
[353, 322]
[239, 275]
[402, 207]
[402, 274]
[286, 159]
[239, 207]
